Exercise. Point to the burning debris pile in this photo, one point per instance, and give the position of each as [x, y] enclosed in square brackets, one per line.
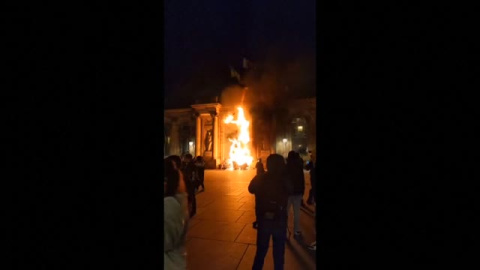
[239, 156]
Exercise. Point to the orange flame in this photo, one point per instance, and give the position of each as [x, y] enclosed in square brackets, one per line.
[239, 150]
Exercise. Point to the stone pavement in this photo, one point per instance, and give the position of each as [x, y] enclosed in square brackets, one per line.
[221, 234]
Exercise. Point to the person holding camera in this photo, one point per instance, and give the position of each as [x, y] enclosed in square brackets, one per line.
[271, 196]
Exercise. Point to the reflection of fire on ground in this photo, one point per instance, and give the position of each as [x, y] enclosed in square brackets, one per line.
[239, 156]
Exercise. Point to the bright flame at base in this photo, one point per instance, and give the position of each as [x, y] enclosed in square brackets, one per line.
[239, 150]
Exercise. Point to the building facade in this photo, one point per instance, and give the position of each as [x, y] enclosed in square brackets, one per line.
[201, 131]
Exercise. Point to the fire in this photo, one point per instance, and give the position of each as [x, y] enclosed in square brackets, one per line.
[239, 150]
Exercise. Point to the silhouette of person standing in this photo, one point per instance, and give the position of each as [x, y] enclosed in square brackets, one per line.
[259, 167]
[271, 191]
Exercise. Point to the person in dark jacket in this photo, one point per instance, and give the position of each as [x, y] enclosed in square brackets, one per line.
[260, 171]
[189, 171]
[301, 164]
[271, 197]
[295, 174]
[200, 164]
[259, 167]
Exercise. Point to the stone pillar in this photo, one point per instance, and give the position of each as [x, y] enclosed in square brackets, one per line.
[198, 137]
[216, 144]
[174, 139]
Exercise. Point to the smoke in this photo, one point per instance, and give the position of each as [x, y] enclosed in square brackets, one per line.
[231, 95]
[266, 91]
[274, 81]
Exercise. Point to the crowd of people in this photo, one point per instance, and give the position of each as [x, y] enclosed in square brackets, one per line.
[276, 190]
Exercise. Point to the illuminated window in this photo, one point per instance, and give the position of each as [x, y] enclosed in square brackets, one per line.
[300, 128]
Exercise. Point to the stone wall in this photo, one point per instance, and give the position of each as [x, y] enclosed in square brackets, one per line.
[176, 139]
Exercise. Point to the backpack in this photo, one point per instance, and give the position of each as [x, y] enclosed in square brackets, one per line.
[272, 197]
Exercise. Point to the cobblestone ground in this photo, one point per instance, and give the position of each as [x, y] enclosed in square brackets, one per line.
[221, 234]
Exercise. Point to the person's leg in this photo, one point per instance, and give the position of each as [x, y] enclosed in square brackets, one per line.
[313, 246]
[279, 237]
[290, 204]
[194, 206]
[263, 238]
[297, 200]
[190, 205]
[310, 197]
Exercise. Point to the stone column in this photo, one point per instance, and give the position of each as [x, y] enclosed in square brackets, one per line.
[198, 137]
[216, 143]
[174, 139]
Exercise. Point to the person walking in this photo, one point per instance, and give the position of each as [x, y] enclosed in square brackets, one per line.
[295, 175]
[189, 171]
[271, 196]
[259, 167]
[175, 217]
[200, 164]
[311, 168]
[313, 175]
[301, 164]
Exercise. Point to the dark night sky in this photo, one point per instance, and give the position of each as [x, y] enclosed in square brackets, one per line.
[203, 39]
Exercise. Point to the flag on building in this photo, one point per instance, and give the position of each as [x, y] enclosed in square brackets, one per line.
[234, 73]
[246, 63]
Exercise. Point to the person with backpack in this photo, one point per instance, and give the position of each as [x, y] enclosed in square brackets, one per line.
[271, 197]
[175, 217]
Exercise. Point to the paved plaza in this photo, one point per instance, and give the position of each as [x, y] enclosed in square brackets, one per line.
[221, 234]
